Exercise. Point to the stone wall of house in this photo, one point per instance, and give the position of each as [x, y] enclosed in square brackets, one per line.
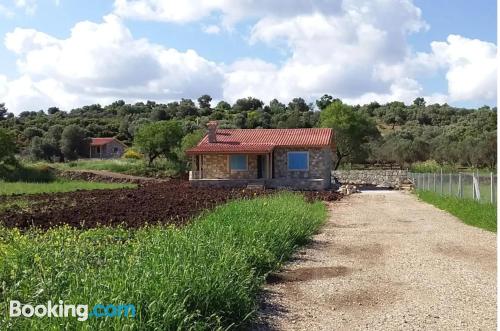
[389, 178]
[216, 166]
[291, 184]
[320, 164]
[108, 150]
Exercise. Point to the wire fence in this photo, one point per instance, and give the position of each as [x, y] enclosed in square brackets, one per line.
[482, 188]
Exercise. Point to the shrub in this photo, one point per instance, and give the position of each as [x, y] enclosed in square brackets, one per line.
[21, 173]
[130, 153]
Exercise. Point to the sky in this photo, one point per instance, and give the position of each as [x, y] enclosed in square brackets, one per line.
[69, 53]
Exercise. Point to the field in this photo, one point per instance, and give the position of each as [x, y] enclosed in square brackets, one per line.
[161, 168]
[204, 276]
[470, 212]
[16, 188]
[172, 202]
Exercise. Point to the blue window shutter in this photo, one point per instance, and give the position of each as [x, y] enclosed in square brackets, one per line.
[238, 162]
[298, 161]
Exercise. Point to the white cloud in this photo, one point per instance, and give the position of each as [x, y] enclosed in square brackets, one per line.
[340, 53]
[29, 6]
[356, 50]
[101, 62]
[472, 67]
[231, 11]
[211, 29]
[6, 12]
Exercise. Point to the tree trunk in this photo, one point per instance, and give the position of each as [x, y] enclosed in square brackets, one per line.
[152, 157]
[339, 158]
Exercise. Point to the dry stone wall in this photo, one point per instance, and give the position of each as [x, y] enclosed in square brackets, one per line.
[387, 178]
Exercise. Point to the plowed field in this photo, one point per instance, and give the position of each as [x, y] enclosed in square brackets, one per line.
[173, 202]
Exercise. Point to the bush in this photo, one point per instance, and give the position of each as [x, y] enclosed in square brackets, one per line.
[130, 153]
[21, 173]
[431, 166]
[205, 276]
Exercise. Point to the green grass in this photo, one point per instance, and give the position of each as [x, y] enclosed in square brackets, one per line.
[11, 188]
[161, 168]
[205, 276]
[481, 215]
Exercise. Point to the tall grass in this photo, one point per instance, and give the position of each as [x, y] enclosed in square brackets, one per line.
[26, 173]
[160, 168]
[10, 188]
[202, 277]
[481, 215]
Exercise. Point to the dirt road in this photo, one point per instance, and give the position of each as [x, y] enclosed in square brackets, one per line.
[385, 261]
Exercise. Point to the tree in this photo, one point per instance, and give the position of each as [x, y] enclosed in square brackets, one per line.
[419, 102]
[158, 114]
[43, 149]
[187, 108]
[204, 103]
[223, 106]
[74, 143]
[190, 140]
[298, 104]
[276, 107]
[352, 129]
[246, 105]
[7, 147]
[3, 111]
[159, 138]
[31, 132]
[325, 101]
[53, 110]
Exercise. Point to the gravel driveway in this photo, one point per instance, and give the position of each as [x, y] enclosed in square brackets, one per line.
[386, 261]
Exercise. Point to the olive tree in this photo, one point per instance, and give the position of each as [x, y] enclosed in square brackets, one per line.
[159, 138]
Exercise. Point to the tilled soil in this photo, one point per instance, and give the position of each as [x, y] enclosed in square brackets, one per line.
[386, 261]
[169, 202]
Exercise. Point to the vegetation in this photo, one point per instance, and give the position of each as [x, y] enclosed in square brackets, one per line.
[202, 277]
[372, 133]
[471, 212]
[11, 188]
[26, 173]
[130, 166]
[353, 130]
[160, 138]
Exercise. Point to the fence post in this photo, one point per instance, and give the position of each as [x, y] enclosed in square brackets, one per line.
[491, 188]
[476, 186]
[473, 186]
[428, 182]
[434, 175]
[441, 183]
[449, 184]
[460, 187]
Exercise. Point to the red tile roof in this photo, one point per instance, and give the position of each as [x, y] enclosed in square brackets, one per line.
[263, 140]
[102, 141]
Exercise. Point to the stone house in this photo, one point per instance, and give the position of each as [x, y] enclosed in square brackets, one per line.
[274, 158]
[106, 148]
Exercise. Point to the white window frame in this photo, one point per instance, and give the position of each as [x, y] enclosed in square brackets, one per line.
[229, 162]
[296, 152]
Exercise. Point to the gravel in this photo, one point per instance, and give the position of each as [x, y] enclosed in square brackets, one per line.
[386, 261]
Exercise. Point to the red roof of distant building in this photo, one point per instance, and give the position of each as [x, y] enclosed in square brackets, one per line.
[263, 140]
[102, 141]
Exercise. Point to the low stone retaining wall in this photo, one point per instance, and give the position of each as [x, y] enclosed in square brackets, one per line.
[292, 184]
[386, 178]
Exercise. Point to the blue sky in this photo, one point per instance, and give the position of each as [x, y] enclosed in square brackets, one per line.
[359, 51]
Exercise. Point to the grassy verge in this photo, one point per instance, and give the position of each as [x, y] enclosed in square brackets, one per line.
[161, 168]
[205, 276]
[481, 215]
[10, 188]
